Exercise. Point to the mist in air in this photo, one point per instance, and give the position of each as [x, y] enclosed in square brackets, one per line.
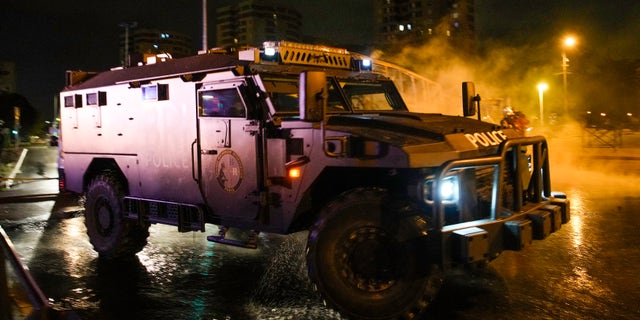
[502, 75]
[506, 76]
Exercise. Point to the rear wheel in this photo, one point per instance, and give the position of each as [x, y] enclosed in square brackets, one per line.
[111, 234]
[367, 258]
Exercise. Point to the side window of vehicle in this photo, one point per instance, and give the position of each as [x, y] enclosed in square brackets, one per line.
[334, 101]
[285, 102]
[221, 103]
[283, 94]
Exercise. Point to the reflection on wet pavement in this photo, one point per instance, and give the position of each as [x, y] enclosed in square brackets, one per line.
[586, 270]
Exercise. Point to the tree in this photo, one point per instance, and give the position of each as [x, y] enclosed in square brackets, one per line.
[29, 116]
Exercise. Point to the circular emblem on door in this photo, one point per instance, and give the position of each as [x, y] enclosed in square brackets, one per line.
[229, 171]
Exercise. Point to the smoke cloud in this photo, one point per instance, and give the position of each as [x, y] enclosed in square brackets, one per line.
[602, 156]
[503, 76]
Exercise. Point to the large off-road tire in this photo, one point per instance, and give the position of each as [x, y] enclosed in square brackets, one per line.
[368, 257]
[112, 235]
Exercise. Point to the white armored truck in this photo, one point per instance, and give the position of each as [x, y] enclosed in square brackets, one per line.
[293, 137]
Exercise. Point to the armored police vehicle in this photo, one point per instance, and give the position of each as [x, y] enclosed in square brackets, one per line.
[292, 137]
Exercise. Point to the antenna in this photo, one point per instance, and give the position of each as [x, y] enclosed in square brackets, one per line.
[204, 25]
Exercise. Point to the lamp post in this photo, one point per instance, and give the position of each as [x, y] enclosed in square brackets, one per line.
[541, 88]
[567, 43]
[126, 60]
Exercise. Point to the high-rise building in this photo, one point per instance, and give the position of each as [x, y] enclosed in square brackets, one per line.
[415, 22]
[7, 77]
[251, 22]
[154, 41]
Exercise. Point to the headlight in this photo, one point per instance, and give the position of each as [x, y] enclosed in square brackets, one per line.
[448, 190]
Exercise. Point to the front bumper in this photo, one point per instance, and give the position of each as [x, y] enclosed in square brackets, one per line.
[505, 203]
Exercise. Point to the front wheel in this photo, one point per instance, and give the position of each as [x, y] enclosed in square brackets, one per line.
[369, 258]
[110, 232]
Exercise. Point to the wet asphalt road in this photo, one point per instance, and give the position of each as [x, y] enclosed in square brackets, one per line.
[586, 270]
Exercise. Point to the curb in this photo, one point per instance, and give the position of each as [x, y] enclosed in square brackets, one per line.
[605, 157]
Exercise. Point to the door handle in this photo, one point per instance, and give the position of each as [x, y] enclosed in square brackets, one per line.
[193, 161]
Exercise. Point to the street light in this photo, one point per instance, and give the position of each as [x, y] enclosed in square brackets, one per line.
[126, 61]
[567, 43]
[541, 88]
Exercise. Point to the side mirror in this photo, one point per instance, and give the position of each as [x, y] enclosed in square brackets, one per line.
[313, 95]
[468, 99]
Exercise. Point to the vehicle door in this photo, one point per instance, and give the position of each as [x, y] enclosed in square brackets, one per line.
[227, 147]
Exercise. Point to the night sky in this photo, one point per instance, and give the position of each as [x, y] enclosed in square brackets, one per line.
[45, 38]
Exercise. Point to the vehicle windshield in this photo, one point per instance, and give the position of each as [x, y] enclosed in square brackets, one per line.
[343, 96]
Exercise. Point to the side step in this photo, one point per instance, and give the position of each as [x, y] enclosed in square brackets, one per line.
[250, 243]
[187, 217]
